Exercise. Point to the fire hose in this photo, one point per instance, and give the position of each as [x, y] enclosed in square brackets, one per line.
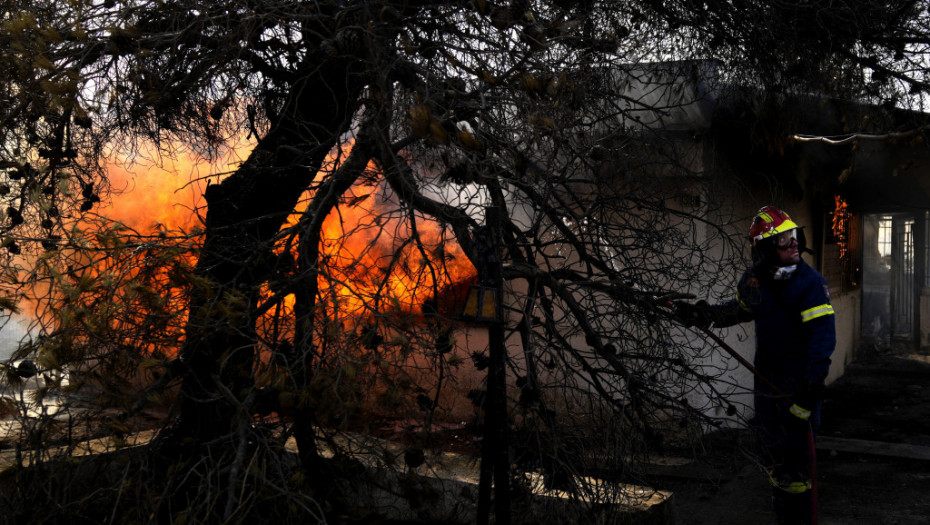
[667, 302]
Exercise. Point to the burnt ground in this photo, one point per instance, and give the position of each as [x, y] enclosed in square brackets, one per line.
[873, 456]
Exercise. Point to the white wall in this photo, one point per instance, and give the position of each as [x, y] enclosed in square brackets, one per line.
[10, 336]
[846, 307]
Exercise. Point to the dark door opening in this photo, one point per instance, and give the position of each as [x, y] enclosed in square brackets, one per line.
[890, 287]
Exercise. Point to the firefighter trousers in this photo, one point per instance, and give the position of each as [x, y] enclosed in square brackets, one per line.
[785, 445]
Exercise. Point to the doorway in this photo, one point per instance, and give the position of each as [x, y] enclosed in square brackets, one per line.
[891, 278]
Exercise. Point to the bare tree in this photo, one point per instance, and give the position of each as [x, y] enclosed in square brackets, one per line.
[423, 122]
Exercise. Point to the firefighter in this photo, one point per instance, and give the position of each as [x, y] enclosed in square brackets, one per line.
[789, 303]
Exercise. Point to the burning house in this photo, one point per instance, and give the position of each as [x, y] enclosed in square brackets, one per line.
[702, 157]
[592, 371]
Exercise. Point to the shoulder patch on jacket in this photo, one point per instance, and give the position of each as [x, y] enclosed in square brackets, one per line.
[826, 291]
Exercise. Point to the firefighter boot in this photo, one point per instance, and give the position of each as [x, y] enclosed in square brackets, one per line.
[792, 508]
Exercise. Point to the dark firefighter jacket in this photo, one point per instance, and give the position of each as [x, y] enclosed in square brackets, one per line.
[795, 325]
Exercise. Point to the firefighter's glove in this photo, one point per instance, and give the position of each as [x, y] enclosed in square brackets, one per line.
[698, 314]
[805, 400]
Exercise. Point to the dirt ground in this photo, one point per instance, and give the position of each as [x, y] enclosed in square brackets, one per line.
[873, 458]
[873, 455]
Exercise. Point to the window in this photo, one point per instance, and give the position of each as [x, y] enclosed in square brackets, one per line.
[884, 236]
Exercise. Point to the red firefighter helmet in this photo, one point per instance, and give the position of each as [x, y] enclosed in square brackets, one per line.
[771, 222]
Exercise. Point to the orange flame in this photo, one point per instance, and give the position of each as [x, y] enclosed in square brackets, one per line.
[377, 257]
[374, 257]
[154, 189]
[840, 226]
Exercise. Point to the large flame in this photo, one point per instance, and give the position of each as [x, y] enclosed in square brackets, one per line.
[152, 189]
[382, 258]
[375, 257]
[378, 261]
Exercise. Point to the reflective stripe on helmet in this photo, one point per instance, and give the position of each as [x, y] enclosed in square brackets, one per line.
[770, 221]
[781, 228]
[815, 312]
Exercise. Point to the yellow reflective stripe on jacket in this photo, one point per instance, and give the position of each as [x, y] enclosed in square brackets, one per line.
[815, 312]
[743, 305]
[800, 412]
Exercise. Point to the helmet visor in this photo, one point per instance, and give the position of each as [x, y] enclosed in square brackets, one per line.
[784, 239]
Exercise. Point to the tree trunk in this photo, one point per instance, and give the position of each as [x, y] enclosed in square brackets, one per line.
[244, 213]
